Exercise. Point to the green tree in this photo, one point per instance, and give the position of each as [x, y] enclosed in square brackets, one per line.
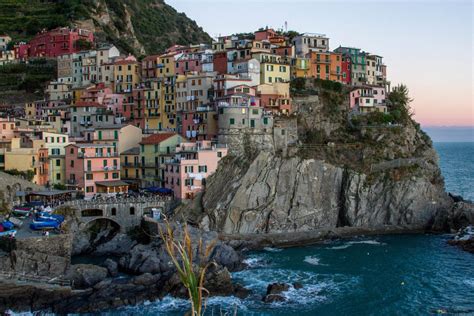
[400, 100]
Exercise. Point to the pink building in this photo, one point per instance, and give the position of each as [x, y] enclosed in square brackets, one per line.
[93, 168]
[188, 63]
[368, 98]
[192, 164]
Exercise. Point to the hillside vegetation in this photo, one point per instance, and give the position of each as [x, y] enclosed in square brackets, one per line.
[140, 27]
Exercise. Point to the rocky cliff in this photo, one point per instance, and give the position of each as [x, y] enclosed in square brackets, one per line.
[138, 27]
[338, 175]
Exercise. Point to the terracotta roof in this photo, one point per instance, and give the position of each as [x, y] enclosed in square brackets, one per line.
[88, 103]
[125, 62]
[156, 138]
[151, 57]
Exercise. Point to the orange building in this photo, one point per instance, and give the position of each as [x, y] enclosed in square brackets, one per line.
[325, 65]
[336, 67]
[320, 63]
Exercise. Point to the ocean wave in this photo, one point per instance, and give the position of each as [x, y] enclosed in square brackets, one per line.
[271, 249]
[312, 260]
[255, 262]
[357, 242]
[469, 282]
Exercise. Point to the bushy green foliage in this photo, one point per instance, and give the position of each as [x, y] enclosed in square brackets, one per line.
[399, 101]
[28, 175]
[156, 24]
[328, 85]
[59, 186]
[298, 84]
[379, 118]
[30, 77]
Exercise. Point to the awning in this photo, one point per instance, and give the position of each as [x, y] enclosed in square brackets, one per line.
[159, 190]
[113, 183]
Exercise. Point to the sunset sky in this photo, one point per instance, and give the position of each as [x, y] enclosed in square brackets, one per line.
[427, 45]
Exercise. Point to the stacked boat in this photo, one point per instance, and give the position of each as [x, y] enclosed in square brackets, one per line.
[45, 221]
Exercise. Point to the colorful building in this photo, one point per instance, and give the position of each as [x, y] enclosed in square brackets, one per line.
[56, 143]
[93, 168]
[154, 151]
[310, 42]
[191, 165]
[367, 99]
[58, 42]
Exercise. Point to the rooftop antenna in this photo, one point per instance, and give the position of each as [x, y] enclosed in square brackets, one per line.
[286, 26]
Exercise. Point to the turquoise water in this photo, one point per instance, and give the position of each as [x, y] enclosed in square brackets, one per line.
[457, 166]
[384, 275]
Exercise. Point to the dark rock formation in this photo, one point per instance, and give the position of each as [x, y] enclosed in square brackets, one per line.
[464, 239]
[274, 291]
[86, 275]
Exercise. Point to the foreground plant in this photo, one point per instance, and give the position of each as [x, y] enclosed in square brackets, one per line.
[191, 275]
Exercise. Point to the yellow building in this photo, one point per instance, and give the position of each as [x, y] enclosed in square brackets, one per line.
[28, 159]
[149, 97]
[154, 151]
[56, 143]
[273, 68]
[126, 74]
[166, 65]
[300, 68]
[130, 168]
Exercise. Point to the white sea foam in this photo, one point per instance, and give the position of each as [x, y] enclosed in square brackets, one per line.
[344, 246]
[254, 262]
[469, 282]
[357, 242]
[312, 260]
[271, 249]
[367, 242]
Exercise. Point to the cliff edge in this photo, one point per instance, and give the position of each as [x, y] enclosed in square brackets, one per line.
[344, 171]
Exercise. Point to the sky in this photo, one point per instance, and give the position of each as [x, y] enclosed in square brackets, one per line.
[427, 45]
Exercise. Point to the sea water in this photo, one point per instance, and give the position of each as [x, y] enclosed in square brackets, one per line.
[384, 275]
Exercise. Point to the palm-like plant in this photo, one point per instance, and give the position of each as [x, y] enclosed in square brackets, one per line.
[192, 276]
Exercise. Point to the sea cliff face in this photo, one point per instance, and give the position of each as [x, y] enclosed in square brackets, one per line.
[336, 176]
[277, 194]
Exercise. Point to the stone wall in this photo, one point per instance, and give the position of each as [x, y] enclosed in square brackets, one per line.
[277, 138]
[43, 256]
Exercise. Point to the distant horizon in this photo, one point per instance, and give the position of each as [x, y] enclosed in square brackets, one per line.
[415, 51]
[458, 134]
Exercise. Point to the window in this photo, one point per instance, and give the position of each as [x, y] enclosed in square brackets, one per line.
[132, 211]
[89, 176]
[114, 211]
[202, 168]
[106, 176]
[104, 163]
[89, 165]
[58, 176]
[232, 121]
[219, 154]
[115, 175]
[89, 189]
[265, 120]
[58, 162]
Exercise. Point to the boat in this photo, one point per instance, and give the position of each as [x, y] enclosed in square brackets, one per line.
[7, 225]
[22, 211]
[44, 225]
[43, 216]
[8, 233]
